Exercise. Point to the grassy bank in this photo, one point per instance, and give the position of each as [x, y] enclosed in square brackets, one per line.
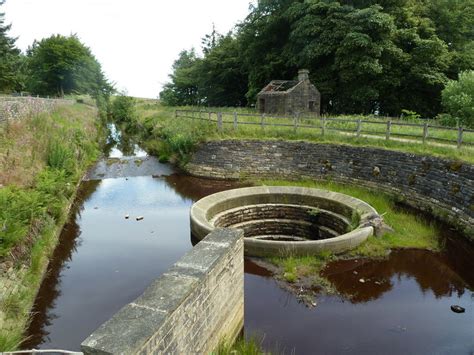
[409, 231]
[240, 347]
[42, 159]
[171, 138]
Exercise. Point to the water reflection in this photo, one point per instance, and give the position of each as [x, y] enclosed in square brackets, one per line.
[197, 188]
[50, 288]
[364, 280]
[402, 305]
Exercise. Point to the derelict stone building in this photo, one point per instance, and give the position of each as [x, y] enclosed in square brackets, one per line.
[290, 96]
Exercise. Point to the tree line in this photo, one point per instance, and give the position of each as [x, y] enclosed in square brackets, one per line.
[364, 56]
[55, 66]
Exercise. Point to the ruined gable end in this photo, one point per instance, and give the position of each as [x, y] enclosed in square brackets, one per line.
[290, 97]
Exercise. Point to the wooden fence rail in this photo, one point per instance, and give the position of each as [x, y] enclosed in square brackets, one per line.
[359, 127]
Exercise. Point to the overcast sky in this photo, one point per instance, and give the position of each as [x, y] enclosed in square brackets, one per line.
[135, 41]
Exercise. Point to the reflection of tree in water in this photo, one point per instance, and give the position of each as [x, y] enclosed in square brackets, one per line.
[121, 138]
[432, 272]
[126, 145]
[69, 241]
[196, 188]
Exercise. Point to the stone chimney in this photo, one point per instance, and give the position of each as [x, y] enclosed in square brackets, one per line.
[303, 74]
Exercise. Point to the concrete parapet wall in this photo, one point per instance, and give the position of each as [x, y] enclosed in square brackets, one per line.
[438, 186]
[189, 309]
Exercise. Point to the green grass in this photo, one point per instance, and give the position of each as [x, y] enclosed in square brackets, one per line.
[240, 347]
[33, 209]
[169, 137]
[410, 231]
[294, 268]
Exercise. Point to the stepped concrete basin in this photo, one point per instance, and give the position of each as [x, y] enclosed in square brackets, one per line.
[284, 221]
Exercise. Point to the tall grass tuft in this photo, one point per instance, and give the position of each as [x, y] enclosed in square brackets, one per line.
[240, 347]
[59, 156]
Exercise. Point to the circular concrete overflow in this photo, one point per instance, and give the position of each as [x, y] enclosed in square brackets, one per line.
[284, 221]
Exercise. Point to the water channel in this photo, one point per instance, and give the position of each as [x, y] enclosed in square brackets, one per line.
[105, 260]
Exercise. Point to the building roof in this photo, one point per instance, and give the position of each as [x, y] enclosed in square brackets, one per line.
[279, 86]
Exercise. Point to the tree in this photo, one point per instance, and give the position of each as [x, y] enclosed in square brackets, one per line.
[183, 88]
[365, 56]
[10, 59]
[458, 98]
[61, 65]
[264, 35]
[221, 78]
[210, 40]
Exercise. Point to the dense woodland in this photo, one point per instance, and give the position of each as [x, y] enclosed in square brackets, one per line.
[54, 66]
[364, 56]
[384, 57]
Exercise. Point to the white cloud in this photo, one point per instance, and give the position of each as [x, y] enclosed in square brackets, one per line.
[135, 41]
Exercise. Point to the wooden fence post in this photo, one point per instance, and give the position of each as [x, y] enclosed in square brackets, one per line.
[209, 115]
[262, 121]
[425, 132]
[460, 132]
[323, 126]
[295, 123]
[359, 127]
[175, 113]
[235, 121]
[389, 128]
[219, 121]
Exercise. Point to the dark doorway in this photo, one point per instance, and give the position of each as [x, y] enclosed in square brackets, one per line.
[261, 105]
[311, 106]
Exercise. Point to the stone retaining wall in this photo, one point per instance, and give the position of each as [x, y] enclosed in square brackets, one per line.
[441, 187]
[14, 108]
[190, 309]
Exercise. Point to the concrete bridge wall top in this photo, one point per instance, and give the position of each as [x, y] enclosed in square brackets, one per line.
[189, 309]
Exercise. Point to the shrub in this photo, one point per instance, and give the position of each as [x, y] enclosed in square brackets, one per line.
[408, 115]
[445, 119]
[123, 109]
[458, 99]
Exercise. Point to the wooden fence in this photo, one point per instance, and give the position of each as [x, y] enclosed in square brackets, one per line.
[389, 129]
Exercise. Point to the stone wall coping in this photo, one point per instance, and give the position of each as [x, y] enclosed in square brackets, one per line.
[132, 327]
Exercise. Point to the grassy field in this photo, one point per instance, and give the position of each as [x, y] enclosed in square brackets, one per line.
[42, 158]
[167, 136]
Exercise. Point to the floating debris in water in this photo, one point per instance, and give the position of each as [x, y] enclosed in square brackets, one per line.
[139, 218]
[96, 208]
[457, 309]
[362, 281]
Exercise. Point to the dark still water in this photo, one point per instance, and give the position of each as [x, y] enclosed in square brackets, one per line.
[401, 307]
[104, 261]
